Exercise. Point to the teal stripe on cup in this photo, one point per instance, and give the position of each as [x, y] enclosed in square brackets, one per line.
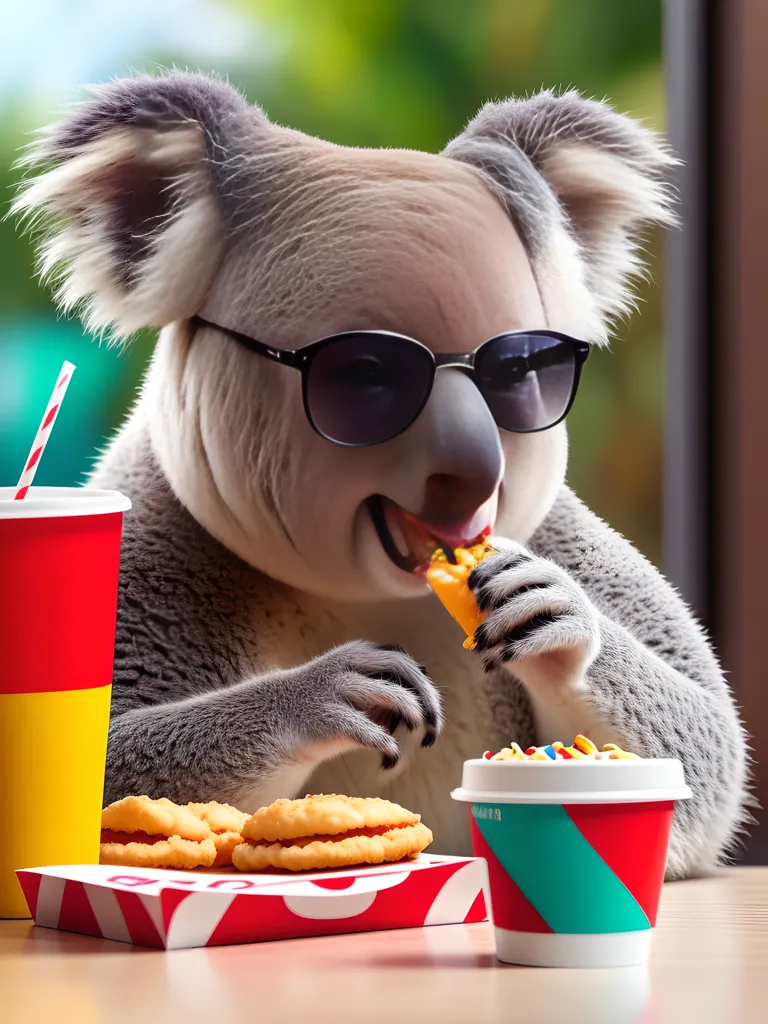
[557, 870]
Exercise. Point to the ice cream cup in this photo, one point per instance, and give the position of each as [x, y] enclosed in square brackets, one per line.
[576, 854]
[59, 562]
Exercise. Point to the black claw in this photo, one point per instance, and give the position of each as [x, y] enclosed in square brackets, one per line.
[481, 638]
[475, 578]
[492, 662]
[522, 632]
[490, 567]
[388, 762]
[429, 739]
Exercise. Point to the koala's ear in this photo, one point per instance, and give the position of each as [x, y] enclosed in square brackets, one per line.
[607, 173]
[129, 178]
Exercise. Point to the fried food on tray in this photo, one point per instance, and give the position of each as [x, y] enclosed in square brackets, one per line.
[154, 817]
[127, 851]
[226, 824]
[219, 817]
[140, 832]
[329, 831]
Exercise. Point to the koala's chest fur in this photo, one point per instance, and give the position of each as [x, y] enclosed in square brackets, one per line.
[193, 618]
[482, 711]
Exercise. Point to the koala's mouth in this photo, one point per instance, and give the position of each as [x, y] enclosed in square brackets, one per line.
[410, 543]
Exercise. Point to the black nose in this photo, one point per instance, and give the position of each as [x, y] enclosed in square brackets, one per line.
[457, 448]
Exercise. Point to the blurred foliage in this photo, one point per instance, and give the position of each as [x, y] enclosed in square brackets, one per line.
[398, 73]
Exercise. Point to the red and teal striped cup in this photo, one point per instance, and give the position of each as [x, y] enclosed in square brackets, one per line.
[576, 853]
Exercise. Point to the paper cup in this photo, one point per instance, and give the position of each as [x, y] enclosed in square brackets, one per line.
[59, 561]
[576, 853]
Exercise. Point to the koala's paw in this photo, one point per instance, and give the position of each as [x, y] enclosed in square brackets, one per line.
[539, 620]
[361, 693]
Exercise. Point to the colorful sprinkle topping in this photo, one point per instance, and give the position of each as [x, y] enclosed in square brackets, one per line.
[582, 749]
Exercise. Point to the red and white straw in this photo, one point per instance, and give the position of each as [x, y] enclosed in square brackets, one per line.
[44, 431]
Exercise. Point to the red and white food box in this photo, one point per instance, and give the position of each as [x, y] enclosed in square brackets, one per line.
[180, 909]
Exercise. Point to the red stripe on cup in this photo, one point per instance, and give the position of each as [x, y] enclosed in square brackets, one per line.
[58, 602]
[632, 839]
[510, 908]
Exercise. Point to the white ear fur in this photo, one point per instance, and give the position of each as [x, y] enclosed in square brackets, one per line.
[608, 201]
[180, 247]
[606, 173]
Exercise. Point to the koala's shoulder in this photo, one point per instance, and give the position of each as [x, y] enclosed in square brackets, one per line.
[187, 606]
[577, 539]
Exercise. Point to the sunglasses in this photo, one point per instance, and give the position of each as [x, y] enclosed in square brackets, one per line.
[365, 387]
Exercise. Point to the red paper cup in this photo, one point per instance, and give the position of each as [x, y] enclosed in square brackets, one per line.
[576, 854]
[59, 563]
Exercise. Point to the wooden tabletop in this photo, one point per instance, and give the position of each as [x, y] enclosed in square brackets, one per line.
[709, 963]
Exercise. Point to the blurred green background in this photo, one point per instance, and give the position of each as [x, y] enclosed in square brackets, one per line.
[359, 72]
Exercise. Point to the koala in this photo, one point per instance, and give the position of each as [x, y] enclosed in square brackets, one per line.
[275, 635]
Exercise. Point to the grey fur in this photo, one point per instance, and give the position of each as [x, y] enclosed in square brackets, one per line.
[518, 145]
[198, 715]
[231, 127]
[232, 685]
[655, 677]
[195, 709]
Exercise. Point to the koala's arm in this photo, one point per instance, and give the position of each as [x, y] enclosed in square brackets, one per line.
[194, 715]
[655, 681]
[261, 738]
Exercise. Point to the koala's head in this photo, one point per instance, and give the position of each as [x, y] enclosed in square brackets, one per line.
[172, 197]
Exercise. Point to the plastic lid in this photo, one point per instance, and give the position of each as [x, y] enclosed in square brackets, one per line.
[572, 782]
[53, 502]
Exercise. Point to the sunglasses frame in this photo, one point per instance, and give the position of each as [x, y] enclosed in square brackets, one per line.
[301, 359]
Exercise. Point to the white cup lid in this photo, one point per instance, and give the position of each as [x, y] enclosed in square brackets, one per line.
[572, 782]
[56, 502]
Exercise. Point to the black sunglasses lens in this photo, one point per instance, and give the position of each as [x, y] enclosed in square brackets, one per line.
[367, 388]
[526, 379]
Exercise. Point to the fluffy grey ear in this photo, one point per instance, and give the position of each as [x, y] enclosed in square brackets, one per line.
[605, 173]
[131, 179]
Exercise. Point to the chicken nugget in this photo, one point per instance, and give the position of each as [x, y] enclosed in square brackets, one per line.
[329, 831]
[339, 851]
[154, 817]
[140, 832]
[219, 817]
[164, 853]
[323, 814]
[226, 823]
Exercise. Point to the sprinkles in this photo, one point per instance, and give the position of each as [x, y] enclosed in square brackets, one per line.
[582, 749]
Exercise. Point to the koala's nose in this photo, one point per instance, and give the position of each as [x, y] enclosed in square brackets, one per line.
[456, 449]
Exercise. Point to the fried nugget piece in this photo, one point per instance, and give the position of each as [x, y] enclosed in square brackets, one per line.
[329, 831]
[154, 817]
[226, 823]
[334, 851]
[323, 814]
[165, 853]
[225, 843]
[140, 832]
[220, 817]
